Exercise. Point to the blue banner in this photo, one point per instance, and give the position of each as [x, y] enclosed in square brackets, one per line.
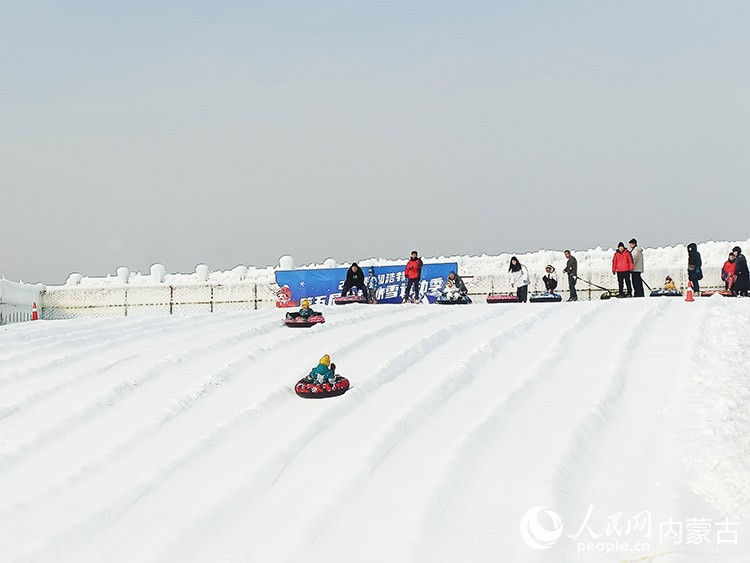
[321, 286]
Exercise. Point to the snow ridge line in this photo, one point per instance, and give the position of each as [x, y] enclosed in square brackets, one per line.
[724, 461]
[38, 396]
[429, 403]
[118, 332]
[595, 422]
[245, 497]
[191, 398]
[86, 352]
[114, 395]
[453, 470]
[30, 333]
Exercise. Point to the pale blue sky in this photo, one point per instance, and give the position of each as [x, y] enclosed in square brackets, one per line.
[235, 132]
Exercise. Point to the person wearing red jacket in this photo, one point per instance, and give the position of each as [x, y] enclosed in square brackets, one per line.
[413, 273]
[728, 274]
[622, 265]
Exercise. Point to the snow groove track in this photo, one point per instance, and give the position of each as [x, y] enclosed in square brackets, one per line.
[181, 440]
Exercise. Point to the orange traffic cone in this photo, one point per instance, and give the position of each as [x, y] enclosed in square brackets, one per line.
[34, 313]
[689, 293]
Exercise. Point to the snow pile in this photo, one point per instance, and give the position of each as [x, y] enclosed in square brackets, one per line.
[576, 432]
[593, 264]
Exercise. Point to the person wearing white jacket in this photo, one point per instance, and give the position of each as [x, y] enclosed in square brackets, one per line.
[519, 278]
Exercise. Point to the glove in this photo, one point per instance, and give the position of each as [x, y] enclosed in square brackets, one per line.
[333, 368]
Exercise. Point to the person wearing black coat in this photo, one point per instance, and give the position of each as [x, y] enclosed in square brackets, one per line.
[571, 268]
[355, 277]
[695, 266]
[742, 285]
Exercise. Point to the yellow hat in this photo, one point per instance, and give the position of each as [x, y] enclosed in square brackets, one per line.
[325, 360]
[304, 303]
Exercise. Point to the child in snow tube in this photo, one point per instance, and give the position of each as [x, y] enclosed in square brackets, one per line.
[305, 311]
[669, 284]
[324, 372]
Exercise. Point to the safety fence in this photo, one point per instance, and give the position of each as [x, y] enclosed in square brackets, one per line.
[126, 300]
[154, 300]
[479, 286]
[17, 301]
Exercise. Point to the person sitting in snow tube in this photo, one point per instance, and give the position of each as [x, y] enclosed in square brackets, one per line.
[305, 317]
[450, 291]
[324, 372]
[670, 289]
[322, 381]
[454, 290]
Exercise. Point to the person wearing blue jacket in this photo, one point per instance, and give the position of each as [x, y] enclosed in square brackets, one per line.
[324, 372]
[371, 283]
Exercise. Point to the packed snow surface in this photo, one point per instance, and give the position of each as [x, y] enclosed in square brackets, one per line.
[482, 433]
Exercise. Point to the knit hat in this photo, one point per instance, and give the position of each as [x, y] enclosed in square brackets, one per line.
[304, 303]
[325, 360]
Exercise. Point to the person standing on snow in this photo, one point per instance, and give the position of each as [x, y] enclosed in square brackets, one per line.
[695, 265]
[571, 268]
[519, 278]
[622, 265]
[636, 253]
[371, 283]
[413, 273]
[742, 284]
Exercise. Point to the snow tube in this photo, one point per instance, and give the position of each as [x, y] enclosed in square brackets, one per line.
[350, 299]
[321, 390]
[722, 292]
[502, 298]
[666, 293]
[302, 322]
[461, 300]
[545, 298]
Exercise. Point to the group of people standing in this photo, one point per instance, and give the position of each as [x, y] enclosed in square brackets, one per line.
[356, 279]
[735, 274]
[519, 277]
[627, 265]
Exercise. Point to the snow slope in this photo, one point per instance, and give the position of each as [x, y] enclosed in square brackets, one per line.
[179, 439]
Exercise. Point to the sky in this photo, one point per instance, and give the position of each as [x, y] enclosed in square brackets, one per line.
[182, 133]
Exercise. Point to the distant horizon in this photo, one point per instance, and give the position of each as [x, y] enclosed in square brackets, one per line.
[297, 264]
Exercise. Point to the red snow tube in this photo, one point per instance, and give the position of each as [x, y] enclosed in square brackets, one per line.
[502, 298]
[350, 299]
[301, 322]
[322, 390]
[722, 292]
